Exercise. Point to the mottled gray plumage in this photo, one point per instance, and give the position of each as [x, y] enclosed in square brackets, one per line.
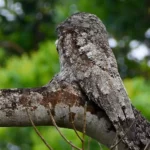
[88, 59]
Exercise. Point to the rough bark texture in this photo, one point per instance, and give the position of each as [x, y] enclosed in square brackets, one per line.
[88, 73]
[61, 95]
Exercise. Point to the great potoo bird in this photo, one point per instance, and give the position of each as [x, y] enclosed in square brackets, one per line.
[85, 52]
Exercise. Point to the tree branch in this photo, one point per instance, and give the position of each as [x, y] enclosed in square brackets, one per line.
[61, 95]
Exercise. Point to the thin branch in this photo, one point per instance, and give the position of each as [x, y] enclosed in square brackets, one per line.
[37, 131]
[100, 146]
[12, 45]
[84, 125]
[74, 128]
[112, 147]
[54, 123]
[89, 141]
[72, 148]
[147, 145]
[115, 139]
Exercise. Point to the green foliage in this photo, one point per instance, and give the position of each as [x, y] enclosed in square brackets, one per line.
[139, 92]
[36, 21]
[27, 22]
[54, 139]
[15, 138]
[2, 55]
[30, 71]
[57, 142]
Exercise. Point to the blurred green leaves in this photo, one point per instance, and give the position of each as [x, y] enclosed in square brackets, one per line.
[15, 138]
[139, 92]
[58, 143]
[27, 23]
[31, 70]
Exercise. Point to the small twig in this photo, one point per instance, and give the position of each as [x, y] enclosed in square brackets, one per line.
[115, 139]
[100, 146]
[84, 125]
[37, 131]
[112, 147]
[146, 147]
[89, 140]
[54, 123]
[12, 45]
[72, 122]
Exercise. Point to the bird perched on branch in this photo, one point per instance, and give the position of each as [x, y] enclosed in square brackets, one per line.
[85, 52]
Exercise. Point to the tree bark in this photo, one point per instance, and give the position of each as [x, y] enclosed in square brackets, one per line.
[61, 95]
[71, 88]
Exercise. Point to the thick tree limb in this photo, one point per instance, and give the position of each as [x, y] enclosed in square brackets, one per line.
[61, 95]
[86, 75]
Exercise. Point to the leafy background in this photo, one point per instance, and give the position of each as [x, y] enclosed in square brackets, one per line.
[28, 57]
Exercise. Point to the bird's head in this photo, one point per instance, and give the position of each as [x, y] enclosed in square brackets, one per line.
[82, 35]
[82, 21]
